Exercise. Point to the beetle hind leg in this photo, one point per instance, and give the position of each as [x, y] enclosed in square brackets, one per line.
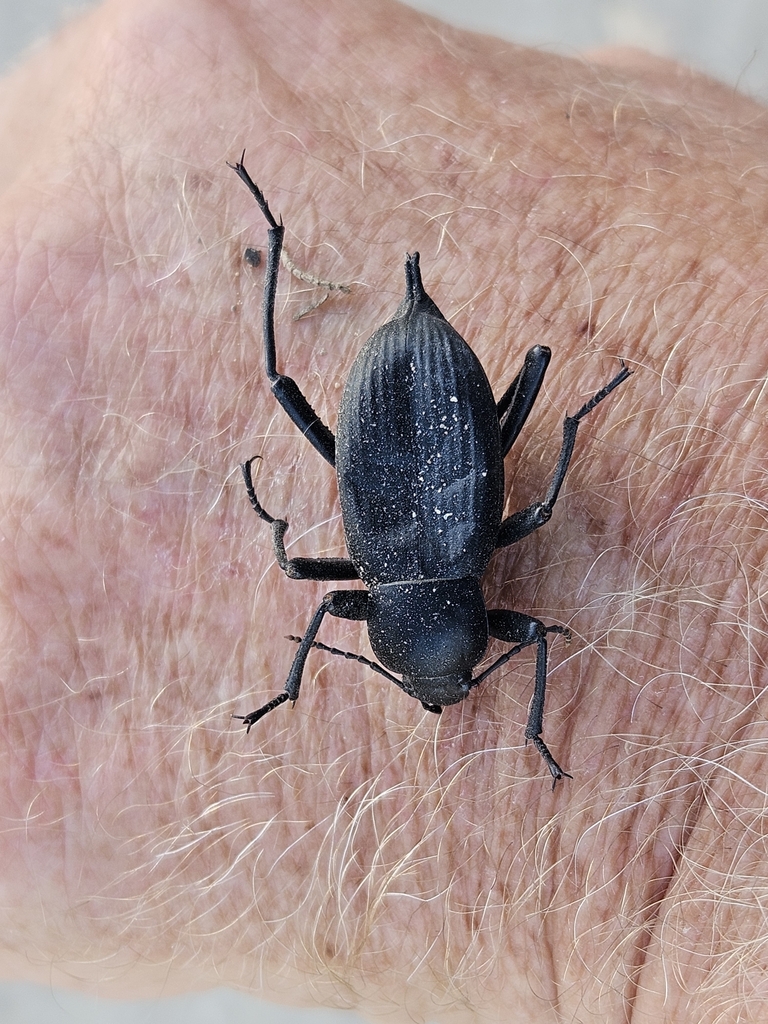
[520, 524]
[284, 388]
[515, 405]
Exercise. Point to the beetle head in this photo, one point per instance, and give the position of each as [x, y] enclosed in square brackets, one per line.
[431, 632]
[436, 692]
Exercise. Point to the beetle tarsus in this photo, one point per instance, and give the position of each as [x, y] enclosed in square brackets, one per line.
[620, 377]
[255, 503]
[254, 716]
[258, 195]
[555, 770]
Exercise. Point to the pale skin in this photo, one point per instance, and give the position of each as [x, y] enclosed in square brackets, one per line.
[357, 851]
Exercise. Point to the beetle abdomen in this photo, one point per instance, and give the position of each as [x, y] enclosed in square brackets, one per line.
[418, 453]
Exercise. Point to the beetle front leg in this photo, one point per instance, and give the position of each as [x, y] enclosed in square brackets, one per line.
[344, 604]
[519, 525]
[296, 568]
[524, 630]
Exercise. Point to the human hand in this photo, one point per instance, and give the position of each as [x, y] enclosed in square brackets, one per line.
[357, 850]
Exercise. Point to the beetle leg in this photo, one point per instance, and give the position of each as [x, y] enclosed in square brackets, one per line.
[285, 389]
[524, 630]
[345, 604]
[515, 405]
[296, 568]
[519, 525]
[535, 725]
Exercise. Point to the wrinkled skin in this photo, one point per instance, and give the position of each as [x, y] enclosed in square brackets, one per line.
[356, 850]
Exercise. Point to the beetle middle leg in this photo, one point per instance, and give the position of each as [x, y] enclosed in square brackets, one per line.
[344, 604]
[296, 568]
[524, 630]
[520, 524]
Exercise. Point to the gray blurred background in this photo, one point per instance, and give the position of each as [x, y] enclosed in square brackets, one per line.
[726, 38]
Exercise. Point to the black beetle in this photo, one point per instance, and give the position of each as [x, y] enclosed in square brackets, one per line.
[419, 455]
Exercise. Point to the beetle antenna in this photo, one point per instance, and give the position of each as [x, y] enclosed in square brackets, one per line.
[350, 656]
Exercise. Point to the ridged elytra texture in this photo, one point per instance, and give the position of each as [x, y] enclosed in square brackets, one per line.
[417, 420]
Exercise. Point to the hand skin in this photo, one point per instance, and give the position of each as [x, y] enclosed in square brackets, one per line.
[356, 851]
